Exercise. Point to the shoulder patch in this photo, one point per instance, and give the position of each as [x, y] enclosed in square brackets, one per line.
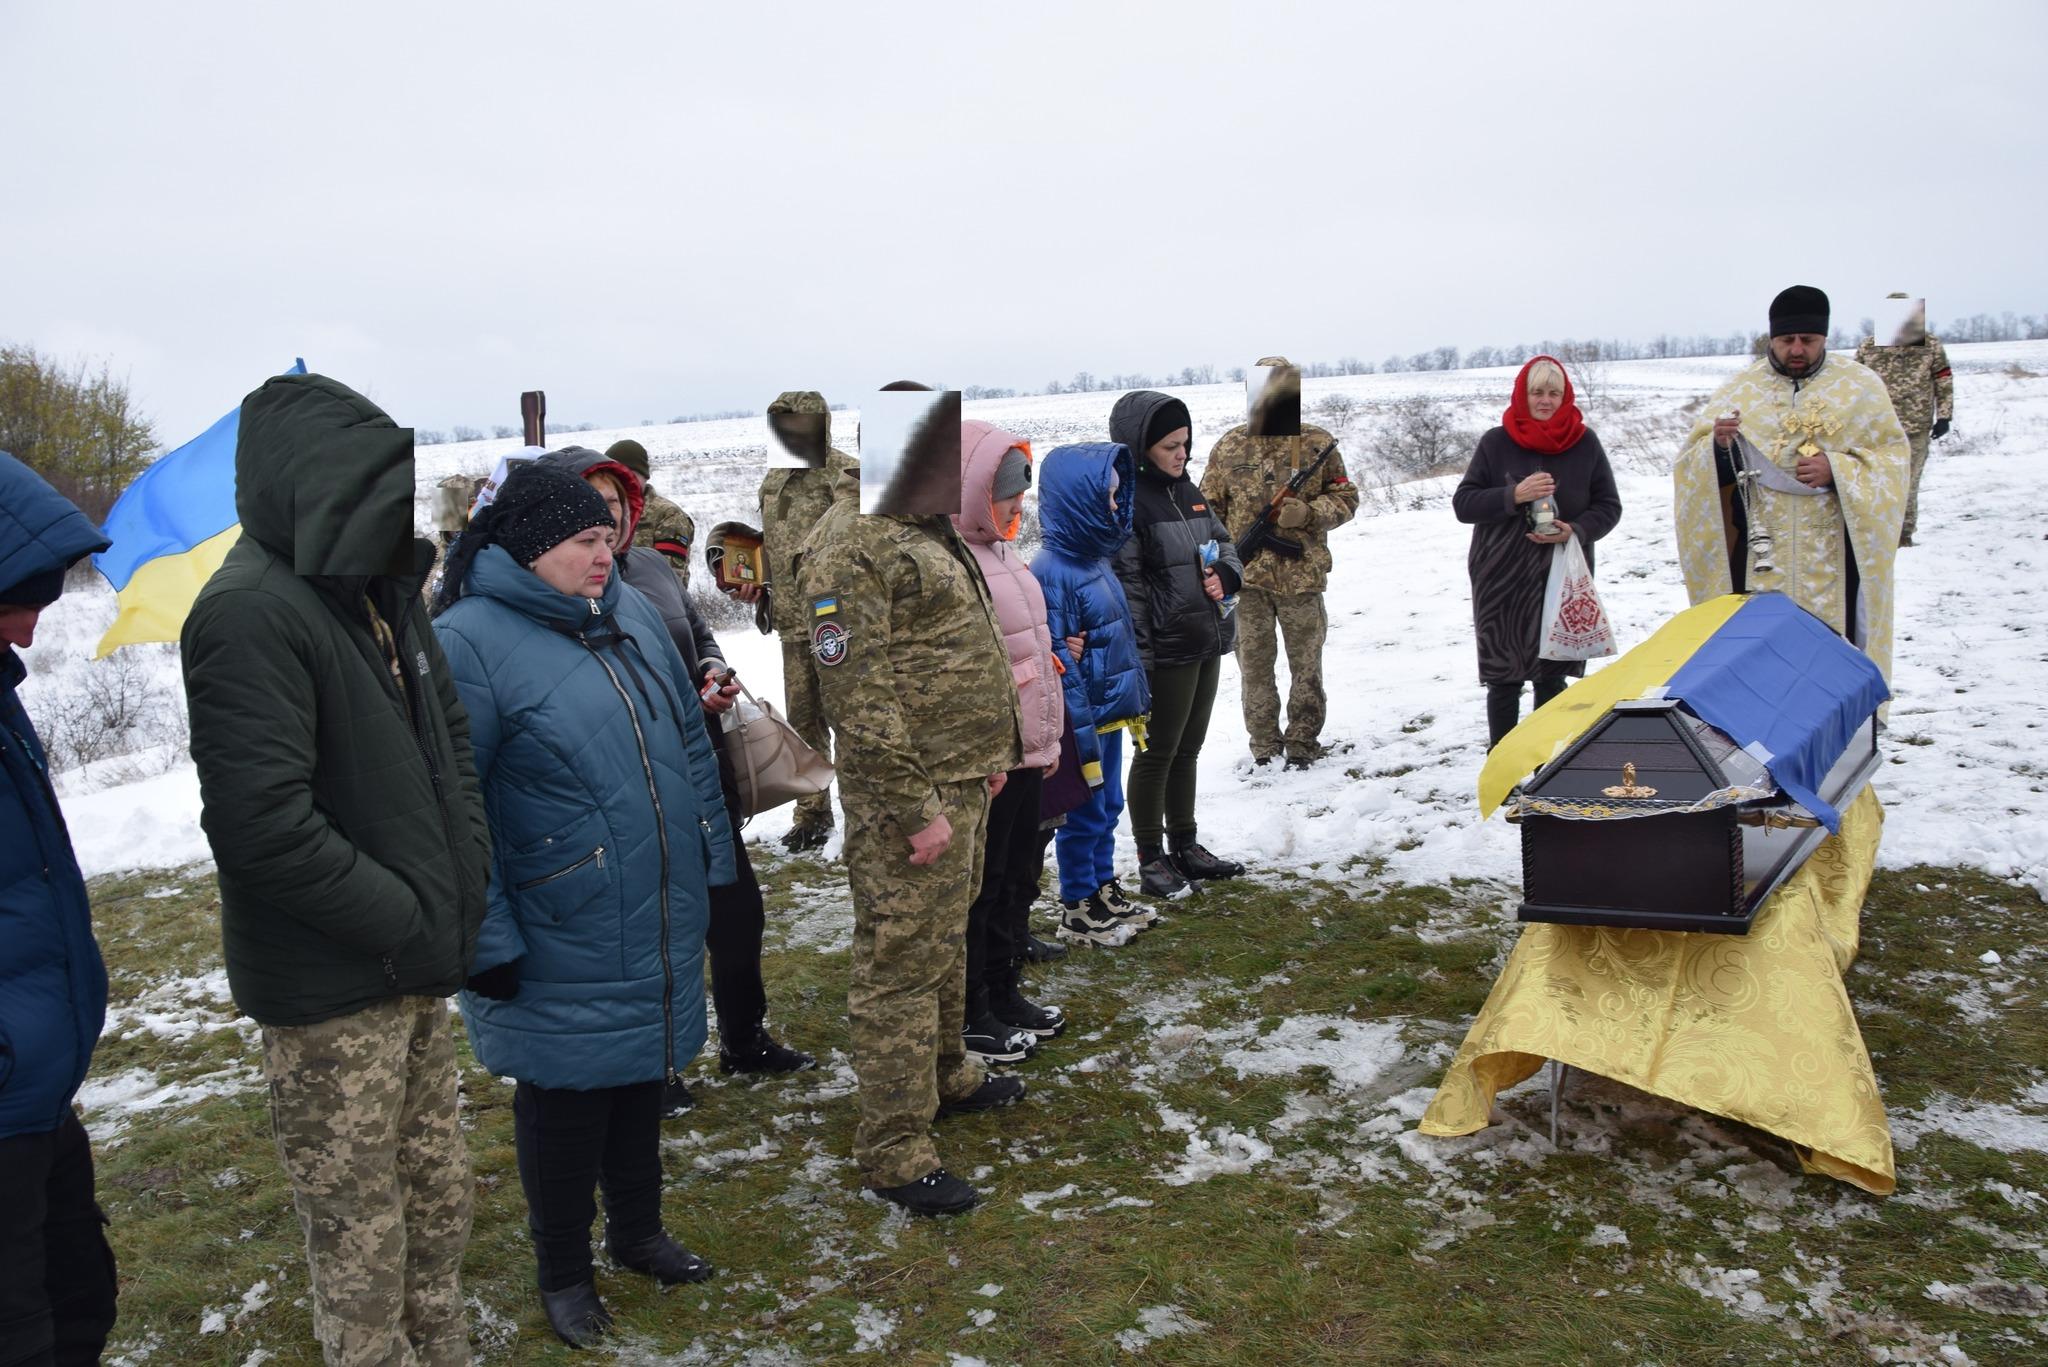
[828, 643]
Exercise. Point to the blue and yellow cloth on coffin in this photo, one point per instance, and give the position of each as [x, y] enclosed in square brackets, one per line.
[170, 530]
[1759, 667]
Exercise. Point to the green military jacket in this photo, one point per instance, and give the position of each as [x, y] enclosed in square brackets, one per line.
[1241, 478]
[662, 520]
[912, 670]
[792, 502]
[1918, 379]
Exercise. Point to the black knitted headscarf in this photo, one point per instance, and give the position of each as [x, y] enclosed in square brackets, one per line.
[537, 509]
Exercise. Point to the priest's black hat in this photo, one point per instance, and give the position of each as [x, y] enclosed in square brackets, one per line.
[1801, 308]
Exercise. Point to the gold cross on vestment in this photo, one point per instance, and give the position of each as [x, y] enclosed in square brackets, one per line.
[1815, 420]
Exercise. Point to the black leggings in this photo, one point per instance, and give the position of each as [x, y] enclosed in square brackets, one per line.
[1162, 776]
[998, 920]
[56, 1271]
[570, 1141]
[733, 933]
[1504, 704]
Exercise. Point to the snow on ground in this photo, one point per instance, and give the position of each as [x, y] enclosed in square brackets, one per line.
[1964, 784]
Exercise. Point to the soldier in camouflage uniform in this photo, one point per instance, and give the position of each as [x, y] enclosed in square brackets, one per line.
[663, 526]
[915, 681]
[792, 501]
[1243, 474]
[1923, 395]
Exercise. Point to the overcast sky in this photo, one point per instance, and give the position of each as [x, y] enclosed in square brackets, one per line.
[654, 209]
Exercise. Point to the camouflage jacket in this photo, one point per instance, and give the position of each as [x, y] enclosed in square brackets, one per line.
[1241, 478]
[1918, 379]
[912, 670]
[662, 520]
[792, 502]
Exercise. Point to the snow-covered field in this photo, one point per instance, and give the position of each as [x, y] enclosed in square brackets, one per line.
[1965, 782]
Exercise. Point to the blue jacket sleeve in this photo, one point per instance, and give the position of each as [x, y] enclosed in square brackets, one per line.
[1063, 619]
[721, 869]
[498, 940]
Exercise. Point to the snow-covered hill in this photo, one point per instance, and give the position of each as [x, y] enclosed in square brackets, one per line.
[1965, 780]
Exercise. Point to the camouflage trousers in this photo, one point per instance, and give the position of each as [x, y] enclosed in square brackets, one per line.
[364, 1112]
[1918, 442]
[1301, 619]
[907, 1001]
[805, 713]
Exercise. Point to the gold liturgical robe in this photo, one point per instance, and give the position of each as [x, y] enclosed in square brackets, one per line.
[1841, 410]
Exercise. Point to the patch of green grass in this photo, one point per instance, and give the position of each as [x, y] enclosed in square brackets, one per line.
[1351, 1240]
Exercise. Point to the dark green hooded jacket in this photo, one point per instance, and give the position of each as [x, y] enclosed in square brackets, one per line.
[343, 811]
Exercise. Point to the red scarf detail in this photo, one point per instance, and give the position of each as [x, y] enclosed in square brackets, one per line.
[1560, 432]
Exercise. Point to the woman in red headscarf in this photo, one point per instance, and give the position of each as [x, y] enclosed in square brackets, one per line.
[1538, 478]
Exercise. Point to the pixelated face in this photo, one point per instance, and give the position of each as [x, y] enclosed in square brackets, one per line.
[910, 453]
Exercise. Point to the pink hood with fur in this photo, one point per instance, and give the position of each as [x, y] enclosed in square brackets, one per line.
[1019, 602]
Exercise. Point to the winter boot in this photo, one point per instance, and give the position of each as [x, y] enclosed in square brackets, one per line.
[993, 1041]
[994, 1092]
[1014, 1009]
[1042, 951]
[938, 1192]
[807, 836]
[661, 1258]
[675, 1099]
[1134, 914]
[1160, 877]
[764, 1055]
[1196, 864]
[577, 1316]
[1092, 922]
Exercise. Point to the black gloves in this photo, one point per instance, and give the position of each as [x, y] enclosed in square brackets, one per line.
[499, 982]
[1940, 429]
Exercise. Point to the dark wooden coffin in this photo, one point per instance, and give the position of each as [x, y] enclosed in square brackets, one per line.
[1655, 820]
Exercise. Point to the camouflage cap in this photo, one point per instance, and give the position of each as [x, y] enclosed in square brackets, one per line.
[1898, 294]
[1273, 360]
[799, 401]
[630, 454]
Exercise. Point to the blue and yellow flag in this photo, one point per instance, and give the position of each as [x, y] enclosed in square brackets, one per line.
[171, 529]
[1759, 667]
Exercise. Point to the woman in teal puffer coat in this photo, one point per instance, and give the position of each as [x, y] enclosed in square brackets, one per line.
[607, 830]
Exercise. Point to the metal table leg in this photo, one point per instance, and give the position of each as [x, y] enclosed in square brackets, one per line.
[1558, 1073]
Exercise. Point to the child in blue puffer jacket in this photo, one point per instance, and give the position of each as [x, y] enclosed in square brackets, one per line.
[1084, 512]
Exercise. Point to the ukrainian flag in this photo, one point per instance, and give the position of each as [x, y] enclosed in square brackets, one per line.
[170, 530]
[1770, 674]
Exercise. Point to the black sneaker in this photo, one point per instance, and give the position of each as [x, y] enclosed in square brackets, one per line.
[803, 837]
[1092, 922]
[994, 1092]
[992, 1041]
[1197, 865]
[765, 1057]
[661, 1258]
[1018, 1012]
[1135, 914]
[675, 1099]
[1159, 877]
[938, 1192]
[1039, 951]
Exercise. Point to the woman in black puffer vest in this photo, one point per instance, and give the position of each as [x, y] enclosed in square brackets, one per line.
[1184, 630]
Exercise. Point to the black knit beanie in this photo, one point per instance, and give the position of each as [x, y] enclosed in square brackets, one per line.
[1802, 308]
[1167, 417]
[537, 508]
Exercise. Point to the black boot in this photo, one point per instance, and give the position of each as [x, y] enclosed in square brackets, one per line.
[807, 836]
[938, 1192]
[675, 1098]
[1010, 1006]
[576, 1315]
[1042, 951]
[761, 1054]
[661, 1258]
[993, 1092]
[1195, 862]
[1158, 878]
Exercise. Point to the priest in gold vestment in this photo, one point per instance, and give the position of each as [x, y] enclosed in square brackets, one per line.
[1795, 480]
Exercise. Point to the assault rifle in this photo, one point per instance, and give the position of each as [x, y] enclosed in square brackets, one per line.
[1263, 534]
